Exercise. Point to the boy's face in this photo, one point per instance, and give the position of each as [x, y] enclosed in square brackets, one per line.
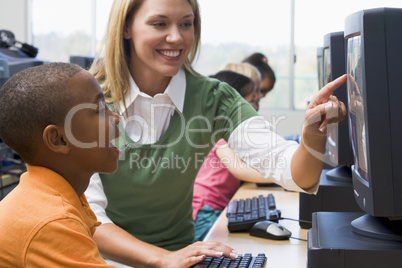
[90, 127]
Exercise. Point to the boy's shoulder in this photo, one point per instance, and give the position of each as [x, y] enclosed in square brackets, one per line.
[41, 194]
[37, 208]
[31, 200]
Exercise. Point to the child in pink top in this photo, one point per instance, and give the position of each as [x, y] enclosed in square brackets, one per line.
[219, 176]
[214, 185]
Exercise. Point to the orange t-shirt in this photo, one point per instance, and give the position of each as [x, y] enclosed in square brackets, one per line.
[43, 223]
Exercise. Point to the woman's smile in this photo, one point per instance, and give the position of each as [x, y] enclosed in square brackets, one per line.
[170, 53]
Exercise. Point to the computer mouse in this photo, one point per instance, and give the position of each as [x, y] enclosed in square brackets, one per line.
[270, 230]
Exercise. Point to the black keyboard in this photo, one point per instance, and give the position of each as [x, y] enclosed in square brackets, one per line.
[244, 213]
[242, 261]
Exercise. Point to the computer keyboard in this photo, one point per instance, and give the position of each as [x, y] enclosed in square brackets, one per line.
[242, 261]
[244, 213]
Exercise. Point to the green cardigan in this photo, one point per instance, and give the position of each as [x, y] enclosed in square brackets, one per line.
[150, 195]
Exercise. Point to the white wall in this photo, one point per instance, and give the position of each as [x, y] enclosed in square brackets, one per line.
[13, 17]
[286, 122]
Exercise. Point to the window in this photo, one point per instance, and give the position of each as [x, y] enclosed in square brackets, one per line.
[65, 28]
[231, 30]
[234, 29]
[314, 19]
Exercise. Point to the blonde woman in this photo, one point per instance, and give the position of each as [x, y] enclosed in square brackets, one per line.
[170, 118]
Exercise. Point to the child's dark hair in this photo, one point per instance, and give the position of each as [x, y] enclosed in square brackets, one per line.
[243, 84]
[31, 100]
[259, 61]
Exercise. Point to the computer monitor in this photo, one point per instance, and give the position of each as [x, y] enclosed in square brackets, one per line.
[339, 153]
[18, 60]
[4, 71]
[320, 67]
[374, 67]
[84, 61]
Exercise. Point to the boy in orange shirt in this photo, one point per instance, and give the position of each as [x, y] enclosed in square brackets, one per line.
[54, 116]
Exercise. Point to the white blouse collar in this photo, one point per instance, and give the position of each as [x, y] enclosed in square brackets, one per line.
[176, 90]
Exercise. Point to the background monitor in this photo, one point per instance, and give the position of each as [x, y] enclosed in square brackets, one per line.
[4, 71]
[84, 61]
[18, 60]
[339, 155]
[374, 66]
[320, 67]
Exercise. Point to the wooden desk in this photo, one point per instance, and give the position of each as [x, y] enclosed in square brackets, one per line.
[281, 254]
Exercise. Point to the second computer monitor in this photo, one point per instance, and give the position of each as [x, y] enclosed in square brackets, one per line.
[339, 153]
[320, 67]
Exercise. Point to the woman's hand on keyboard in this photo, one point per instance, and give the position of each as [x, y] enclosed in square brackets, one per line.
[196, 253]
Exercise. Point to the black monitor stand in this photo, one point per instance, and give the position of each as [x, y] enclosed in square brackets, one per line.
[335, 194]
[378, 227]
[341, 174]
[332, 243]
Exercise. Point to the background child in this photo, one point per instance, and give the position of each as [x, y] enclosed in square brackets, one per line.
[219, 176]
[250, 71]
[268, 78]
[52, 115]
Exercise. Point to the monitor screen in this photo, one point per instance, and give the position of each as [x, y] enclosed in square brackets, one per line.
[356, 106]
[339, 151]
[374, 56]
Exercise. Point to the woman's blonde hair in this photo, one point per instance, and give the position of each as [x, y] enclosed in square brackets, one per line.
[111, 65]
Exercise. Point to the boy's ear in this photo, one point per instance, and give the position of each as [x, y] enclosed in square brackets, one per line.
[55, 139]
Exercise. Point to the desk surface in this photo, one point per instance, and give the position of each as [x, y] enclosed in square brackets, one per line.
[290, 253]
